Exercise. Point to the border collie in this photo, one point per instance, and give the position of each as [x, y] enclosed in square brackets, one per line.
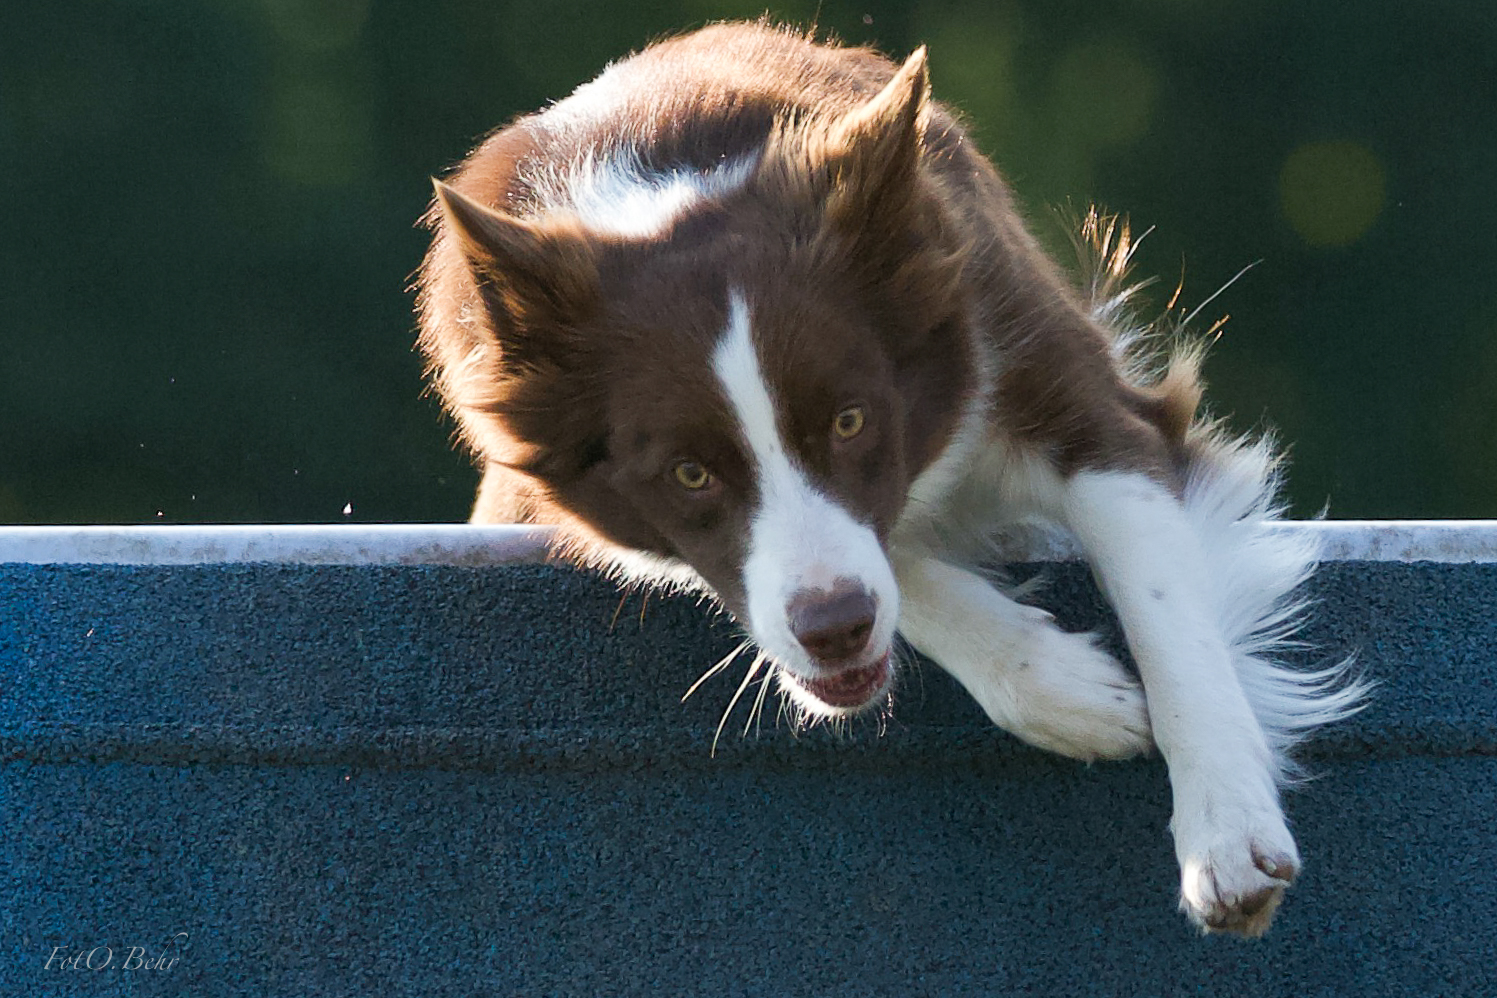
[751, 315]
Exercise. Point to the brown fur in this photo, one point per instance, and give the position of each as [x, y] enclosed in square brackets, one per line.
[866, 220]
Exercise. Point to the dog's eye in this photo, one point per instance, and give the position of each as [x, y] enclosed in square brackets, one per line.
[692, 475]
[849, 422]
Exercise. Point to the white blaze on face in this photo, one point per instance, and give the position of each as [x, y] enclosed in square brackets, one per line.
[799, 538]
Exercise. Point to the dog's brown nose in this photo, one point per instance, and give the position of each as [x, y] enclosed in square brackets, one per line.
[832, 626]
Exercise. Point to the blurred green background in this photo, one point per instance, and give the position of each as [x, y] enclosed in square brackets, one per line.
[208, 205]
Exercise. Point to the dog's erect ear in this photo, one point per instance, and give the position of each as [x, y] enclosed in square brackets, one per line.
[529, 273]
[535, 282]
[873, 152]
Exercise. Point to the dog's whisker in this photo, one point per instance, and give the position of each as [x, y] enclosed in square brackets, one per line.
[726, 661]
[910, 664]
[748, 677]
[792, 712]
[783, 714]
[757, 711]
[885, 715]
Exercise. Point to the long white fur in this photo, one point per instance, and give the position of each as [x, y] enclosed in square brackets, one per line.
[1229, 500]
[1230, 496]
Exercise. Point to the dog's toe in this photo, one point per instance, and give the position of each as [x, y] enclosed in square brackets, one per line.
[1236, 887]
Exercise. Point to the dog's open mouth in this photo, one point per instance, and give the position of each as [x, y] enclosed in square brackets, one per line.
[853, 688]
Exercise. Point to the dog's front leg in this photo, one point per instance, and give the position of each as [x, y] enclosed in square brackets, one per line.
[1056, 690]
[1236, 854]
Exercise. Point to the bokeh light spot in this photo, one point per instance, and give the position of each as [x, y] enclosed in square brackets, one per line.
[1332, 192]
[318, 133]
[1104, 92]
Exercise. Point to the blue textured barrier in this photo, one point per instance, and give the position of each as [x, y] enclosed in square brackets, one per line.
[252, 778]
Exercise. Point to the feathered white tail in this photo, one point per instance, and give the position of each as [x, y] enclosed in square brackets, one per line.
[1230, 495]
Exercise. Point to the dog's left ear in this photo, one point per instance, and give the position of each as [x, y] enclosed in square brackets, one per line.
[873, 152]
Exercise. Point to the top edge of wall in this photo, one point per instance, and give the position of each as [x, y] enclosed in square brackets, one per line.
[1447, 541]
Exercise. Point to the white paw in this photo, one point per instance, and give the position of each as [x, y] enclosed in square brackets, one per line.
[1233, 874]
[1066, 695]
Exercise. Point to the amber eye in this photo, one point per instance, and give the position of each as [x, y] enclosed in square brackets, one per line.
[849, 422]
[692, 475]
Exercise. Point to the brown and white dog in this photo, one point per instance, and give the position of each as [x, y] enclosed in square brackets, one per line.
[751, 315]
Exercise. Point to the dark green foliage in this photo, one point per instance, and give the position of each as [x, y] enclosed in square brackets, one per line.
[208, 211]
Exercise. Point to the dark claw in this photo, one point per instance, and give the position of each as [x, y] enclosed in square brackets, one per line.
[1279, 868]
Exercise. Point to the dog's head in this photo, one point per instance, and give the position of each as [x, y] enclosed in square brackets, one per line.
[749, 389]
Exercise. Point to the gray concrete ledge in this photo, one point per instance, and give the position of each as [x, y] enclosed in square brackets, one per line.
[1444, 541]
[288, 544]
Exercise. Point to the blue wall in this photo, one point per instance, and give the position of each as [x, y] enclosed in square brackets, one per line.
[425, 780]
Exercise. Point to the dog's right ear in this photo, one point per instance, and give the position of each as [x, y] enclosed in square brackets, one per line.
[529, 273]
[873, 153]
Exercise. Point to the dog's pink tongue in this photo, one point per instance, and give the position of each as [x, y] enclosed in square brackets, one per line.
[850, 687]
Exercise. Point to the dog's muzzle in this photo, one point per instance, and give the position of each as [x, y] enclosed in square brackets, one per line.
[834, 628]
